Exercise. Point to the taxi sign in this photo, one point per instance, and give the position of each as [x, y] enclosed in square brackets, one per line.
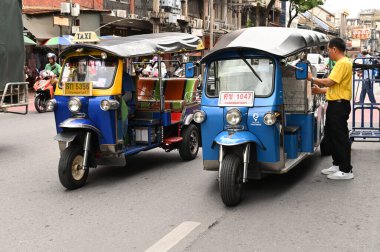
[85, 37]
[77, 88]
[236, 98]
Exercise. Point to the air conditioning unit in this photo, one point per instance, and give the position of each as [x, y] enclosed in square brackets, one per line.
[193, 23]
[113, 13]
[65, 8]
[177, 4]
[75, 10]
[167, 3]
[199, 23]
[172, 18]
[121, 13]
[207, 25]
[133, 16]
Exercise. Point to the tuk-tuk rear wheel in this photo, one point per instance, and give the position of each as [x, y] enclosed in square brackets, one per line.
[231, 180]
[188, 148]
[70, 171]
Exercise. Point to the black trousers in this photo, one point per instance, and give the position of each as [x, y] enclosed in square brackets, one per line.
[337, 133]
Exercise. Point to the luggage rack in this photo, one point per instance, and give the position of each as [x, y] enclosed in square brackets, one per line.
[15, 94]
[362, 130]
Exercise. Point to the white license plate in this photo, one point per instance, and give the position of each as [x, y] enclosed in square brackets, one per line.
[236, 99]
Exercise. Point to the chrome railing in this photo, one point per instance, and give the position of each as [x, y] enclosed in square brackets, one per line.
[15, 94]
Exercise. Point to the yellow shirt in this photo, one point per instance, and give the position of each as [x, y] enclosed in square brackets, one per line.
[342, 76]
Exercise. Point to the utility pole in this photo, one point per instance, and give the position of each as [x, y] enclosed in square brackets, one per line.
[132, 7]
[156, 20]
[211, 24]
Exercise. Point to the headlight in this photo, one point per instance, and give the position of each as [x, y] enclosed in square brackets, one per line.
[199, 116]
[233, 116]
[270, 118]
[51, 105]
[103, 55]
[106, 105]
[75, 105]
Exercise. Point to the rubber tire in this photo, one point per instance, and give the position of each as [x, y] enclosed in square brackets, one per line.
[37, 100]
[231, 171]
[184, 145]
[64, 168]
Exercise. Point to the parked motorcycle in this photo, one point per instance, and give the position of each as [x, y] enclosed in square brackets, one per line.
[44, 90]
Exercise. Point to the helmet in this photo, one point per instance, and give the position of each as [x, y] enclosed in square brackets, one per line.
[52, 55]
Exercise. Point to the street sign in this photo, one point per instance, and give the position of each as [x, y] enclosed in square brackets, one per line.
[62, 21]
[361, 33]
[85, 37]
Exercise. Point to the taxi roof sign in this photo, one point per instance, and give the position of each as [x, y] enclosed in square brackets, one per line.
[85, 37]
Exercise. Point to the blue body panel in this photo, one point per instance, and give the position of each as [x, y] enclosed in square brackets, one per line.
[210, 128]
[307, 125]
[79, 123]
[236, 138]
[105, 121]
[268, 135]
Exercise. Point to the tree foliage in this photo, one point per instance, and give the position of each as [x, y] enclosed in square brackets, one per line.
[301, 6]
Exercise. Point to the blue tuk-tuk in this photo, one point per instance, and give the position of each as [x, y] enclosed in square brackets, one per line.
[258, 114]
[105, 110]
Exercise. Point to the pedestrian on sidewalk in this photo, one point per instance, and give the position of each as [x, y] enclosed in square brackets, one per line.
[367, 83]
[338, 89]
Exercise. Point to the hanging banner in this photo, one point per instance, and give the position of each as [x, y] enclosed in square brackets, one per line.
[361, 33]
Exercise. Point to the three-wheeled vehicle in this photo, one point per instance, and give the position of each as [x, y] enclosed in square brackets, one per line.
[258, 114]
[102, 110]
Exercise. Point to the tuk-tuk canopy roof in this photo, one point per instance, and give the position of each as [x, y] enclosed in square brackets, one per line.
[278, 41]
[140, 45]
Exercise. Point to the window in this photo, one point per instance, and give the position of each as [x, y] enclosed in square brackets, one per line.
[240, 75]
[90, 69]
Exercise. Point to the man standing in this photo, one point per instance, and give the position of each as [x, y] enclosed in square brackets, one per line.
[338, 89]
[367, 84]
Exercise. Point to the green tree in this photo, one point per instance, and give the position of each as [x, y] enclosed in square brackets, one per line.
[300, 6]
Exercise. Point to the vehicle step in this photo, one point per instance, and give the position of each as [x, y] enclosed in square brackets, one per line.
[171, 140]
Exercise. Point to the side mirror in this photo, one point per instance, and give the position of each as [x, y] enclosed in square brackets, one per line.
[301, 70]
[189, 70]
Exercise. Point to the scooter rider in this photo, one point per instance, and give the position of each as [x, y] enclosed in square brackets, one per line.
[53, 65]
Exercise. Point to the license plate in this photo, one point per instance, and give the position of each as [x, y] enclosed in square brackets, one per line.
[77, 88]
[236, 99]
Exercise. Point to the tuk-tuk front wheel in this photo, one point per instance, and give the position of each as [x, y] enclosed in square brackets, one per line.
[70, 171]
[231, 180]
[188, 148]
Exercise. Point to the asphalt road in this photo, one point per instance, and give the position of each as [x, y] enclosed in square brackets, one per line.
[158, 199]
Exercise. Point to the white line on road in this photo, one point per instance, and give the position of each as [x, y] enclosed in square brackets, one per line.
[175, 236]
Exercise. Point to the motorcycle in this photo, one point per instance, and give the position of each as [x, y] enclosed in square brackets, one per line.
[44, 90]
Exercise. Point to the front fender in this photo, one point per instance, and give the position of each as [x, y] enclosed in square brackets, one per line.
[79, 123]
[236, 138]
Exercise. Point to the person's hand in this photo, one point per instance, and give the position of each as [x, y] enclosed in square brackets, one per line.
[309, 76]
[315, 89]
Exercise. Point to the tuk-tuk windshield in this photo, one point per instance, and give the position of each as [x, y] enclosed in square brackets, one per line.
[236, 75]
[99, 71]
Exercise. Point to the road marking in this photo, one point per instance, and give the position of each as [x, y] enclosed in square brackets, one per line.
[175, 236]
